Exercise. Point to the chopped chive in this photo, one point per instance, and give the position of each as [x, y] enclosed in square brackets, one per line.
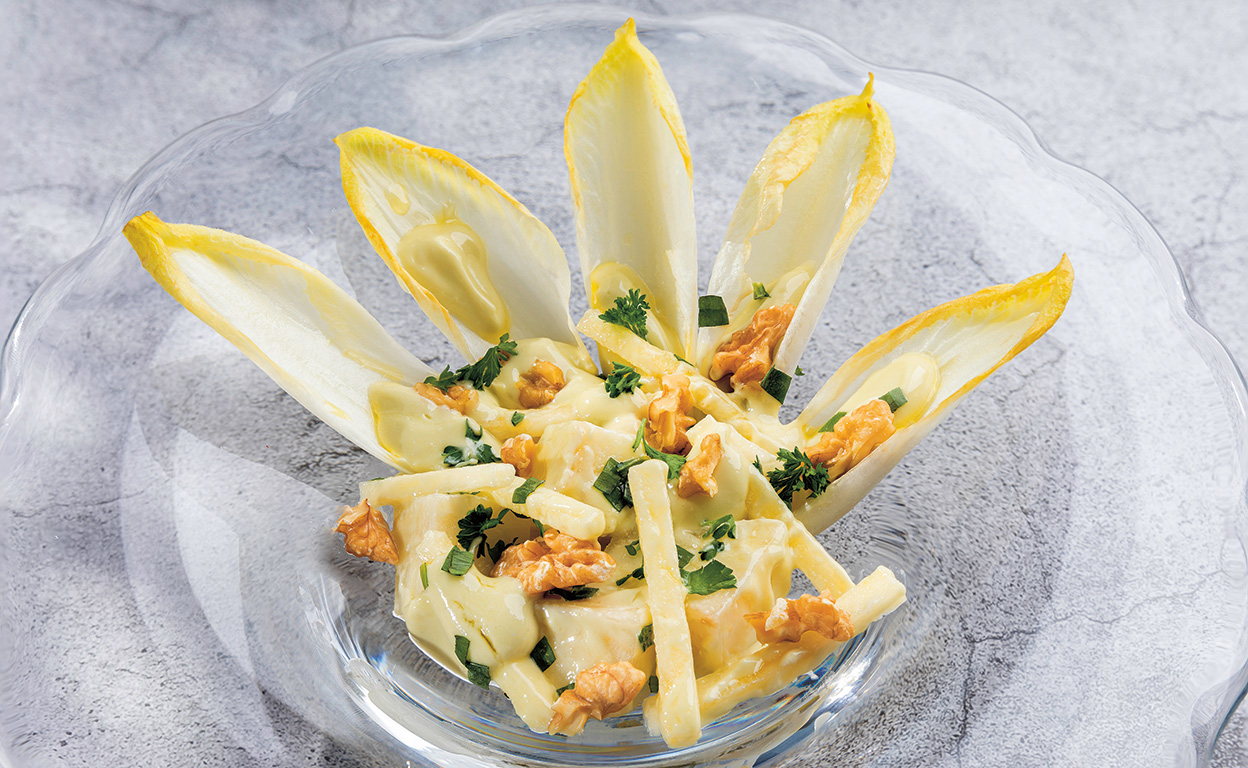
[424, 575]
[633, 548]
[654, 684]
[568, 687]
[457, 562]
[776, 383]
[526, 489]
[646, 636]
[638, 573]
[799, 372]
[541, 529]
[542, 654]
[478, 674]
[760, 292]
[830, 424]
[895, 398]
[516, 418]
[712, 312]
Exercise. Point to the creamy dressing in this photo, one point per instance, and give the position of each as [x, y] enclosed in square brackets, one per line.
[415, 430]
[918, 376]
[448, 259]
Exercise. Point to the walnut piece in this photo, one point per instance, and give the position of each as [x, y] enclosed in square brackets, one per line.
[555, 561]
[748, 353]
[601, 690]
[853, 438]
[519, 452]
[668, 416]
[696, 476]
[367, 534]
[789, 619]
[457, 397]
[539, 385]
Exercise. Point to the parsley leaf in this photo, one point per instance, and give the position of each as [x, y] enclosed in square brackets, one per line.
[629, 311]
[710, 578]
[646, 637]
[673, 461]
[478, 674]
[633, 548]
[683, 556]
[542, 654]
[472, 528]
[476, 453]
[612, 483]
[457, 562]
[622, 379]
[470, 433]
[444, 380]
[760, 292]
[721, 527]
[574, 593]
[496, 549]
[797, 474]
[711, 550]
[482, 373]
[526, 489]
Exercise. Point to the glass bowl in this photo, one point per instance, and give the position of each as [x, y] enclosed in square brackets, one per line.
[1072, 538]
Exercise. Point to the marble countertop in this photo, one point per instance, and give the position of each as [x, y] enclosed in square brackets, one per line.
[1148, 95]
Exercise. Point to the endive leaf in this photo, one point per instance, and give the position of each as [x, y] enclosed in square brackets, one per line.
[632, 188]
[805, 200]
[306, 333]
[967, 338]
[503, 271]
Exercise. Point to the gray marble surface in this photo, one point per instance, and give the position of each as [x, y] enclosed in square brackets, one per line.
[1147, 95]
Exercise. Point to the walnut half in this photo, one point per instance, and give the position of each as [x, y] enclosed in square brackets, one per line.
[748, 353]
[668, 415]
[853, 438]
[539, 385]
[519, 452]
[789, 619]
[366, 533]
[697, 475]
[555, 561]
[601, 690]
[457, 397]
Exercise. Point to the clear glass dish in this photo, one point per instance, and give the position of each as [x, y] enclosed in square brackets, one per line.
[1072, 538]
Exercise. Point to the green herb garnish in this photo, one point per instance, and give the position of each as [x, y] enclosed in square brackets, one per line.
[457, 562]
[612, 483]
[543, 654]
[574, 593]
[653, 682]
[496, 549]
[472, 528]
[444, 380]
[683, 556]
[482, 373]
[760, 292]
[776, 383]
[633, 548]
[638, 573]
[646, 637]
[478, 674]
[469, 432]
[477, 453]
[424, 575]
[798, 371]
[721, 527]
[673, 461]
[526, 489]
[629, 311]
[709, 579]
[712, 312]
[895, 398]
[622, 379]
[568, 687]
[516, 418]
[797, 474]
[830, 424]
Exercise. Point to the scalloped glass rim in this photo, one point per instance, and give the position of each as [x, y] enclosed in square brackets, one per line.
[1213, 704]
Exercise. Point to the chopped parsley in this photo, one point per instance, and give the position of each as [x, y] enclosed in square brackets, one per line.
[478, 674]
[718, 529]
[646, 637]
[683, 556]
[496, 549]
[629, 311]
[633, 548]
[469, 432]
[709, 579]
[673, 461]
[516, 418]
[760, 292]
[712, 312]
[476, 453]
[623, 378]
[799, 372]
[798, 473]
[612, 483]
[542, 654]
[574, 593]
[830, 424]
[895, 398]
[480, 374]
[472, 528]
[458, 562]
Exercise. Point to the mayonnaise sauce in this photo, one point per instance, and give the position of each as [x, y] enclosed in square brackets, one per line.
[415, 430]
[448, 259]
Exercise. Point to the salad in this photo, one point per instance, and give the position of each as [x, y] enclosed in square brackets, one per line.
[591, 537]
